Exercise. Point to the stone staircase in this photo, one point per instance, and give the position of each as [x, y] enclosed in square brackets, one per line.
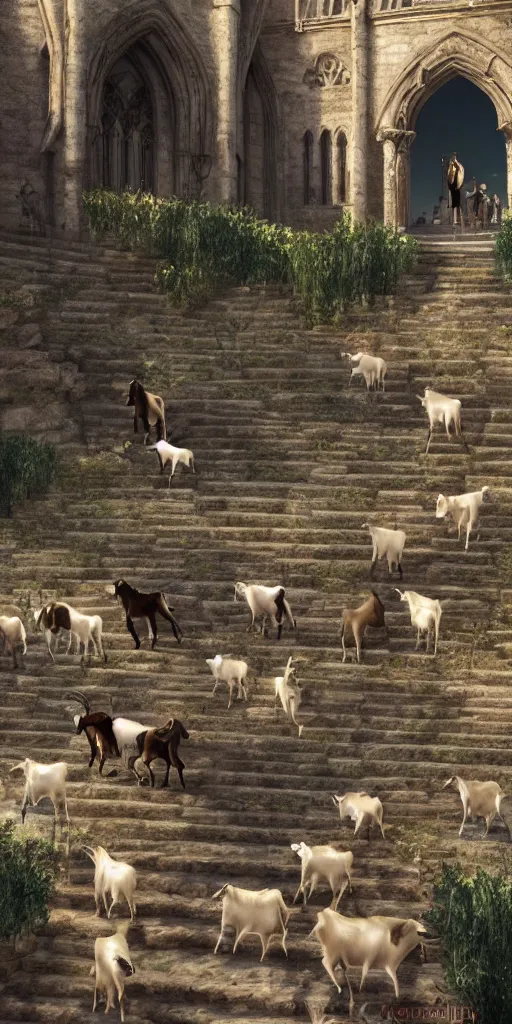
[290, 463]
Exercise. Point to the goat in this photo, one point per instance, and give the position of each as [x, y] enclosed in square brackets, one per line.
[372, 368]
[441, 409]
[371, 613]
[464, 510]
[289, 692]
[169, 453]
[479, 800]
[144, 606]
[262, 912]
[267, 602]
[82, 628]
[225, 669]
[149, 408]
[386, 543]
[361, 808]
[13, 635]
[327, 863]
[425, 615]
[163, 743]
[98, 728]
[43, 780]
[42, 621]
[32, 207]
[112, 965]
[111, 876]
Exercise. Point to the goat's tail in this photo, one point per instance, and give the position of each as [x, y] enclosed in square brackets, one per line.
[289, 615]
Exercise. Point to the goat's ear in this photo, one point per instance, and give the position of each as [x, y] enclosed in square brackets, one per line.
[449, 782]
[21, 765]
[399, 591]
[336, 800]
[220, 892]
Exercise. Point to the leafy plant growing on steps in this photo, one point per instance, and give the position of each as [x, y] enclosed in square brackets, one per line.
[474, 918]
[503, 247]
[26, 468]
[28, 867]
[206, 247]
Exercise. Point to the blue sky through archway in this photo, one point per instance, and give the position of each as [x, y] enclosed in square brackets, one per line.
[460, 117]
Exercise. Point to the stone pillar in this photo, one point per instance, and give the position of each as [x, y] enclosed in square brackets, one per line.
[387, 137]
[507, 131]
[225, 30]
[75, 106]
[359, 146]
[404, 179]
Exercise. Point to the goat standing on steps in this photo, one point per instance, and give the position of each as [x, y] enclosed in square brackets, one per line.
[82, 628]
[169, 453]
[149, 408]
[43, 780]
[112, 966]
[441, 409]
[269, 602]
[97, 726]
[425, 615]
[111, 876]
[144, 606]
[371, 613]
[12, 635]
[288, 691]
[464, 510]
[372, 368]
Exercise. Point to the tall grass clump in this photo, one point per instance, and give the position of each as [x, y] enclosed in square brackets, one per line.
[28, 868]
[204, 247]
[503, 247]
[27, 469]
[474, 918]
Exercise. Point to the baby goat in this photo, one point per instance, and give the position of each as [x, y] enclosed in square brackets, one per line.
[43, 780]
[112, 966]
[425, 615]
[168, 453]
[441, 409]
[464, 510]
[149, 408]
[225, 669]
[371, 613]
[12, 635]
[372, 368]
[144, 606]
[289, 693]
[268, 602]
[387, 544]
[111, 876]
[479, 800]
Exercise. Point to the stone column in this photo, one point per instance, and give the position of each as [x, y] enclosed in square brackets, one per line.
[404, 179]
[75, 106]
[225, 26]
[387, 137]
[507, 131]
[359, 146]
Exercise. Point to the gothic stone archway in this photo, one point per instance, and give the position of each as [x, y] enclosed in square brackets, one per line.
[454, 54]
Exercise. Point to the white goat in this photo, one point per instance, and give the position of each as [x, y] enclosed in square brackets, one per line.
[387, 544]
[425, 615]
[361, 808]
[289, 693]
[464, 510]
[13, 635]
[225, 669]
[324, 862]
[479, 800]
[112, 965]
[262, 912]
[83, 629]
[126, 731]
[372, 368]
[111, 876]
[268, 602]
[168, 453]
[43, 780]
[441, 409]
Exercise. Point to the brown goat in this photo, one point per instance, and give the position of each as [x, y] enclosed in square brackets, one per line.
[97, 726]
[163, 743]
[371, 613]
[149, 408]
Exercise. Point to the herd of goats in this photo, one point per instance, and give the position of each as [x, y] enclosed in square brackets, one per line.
[375, 942]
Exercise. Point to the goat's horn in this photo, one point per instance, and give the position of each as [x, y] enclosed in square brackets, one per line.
[16, 766]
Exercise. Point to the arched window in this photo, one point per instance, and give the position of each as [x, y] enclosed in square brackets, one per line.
[308, 166]
[326, 167]
[341, 158]
[127, 137]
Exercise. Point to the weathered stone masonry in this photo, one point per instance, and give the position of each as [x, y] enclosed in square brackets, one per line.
[296, 107]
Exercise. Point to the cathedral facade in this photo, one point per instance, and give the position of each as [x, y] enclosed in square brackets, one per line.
[295, 107]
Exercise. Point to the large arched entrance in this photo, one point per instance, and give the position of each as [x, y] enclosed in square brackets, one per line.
[259, 130]
[454, 55]
[127, 137]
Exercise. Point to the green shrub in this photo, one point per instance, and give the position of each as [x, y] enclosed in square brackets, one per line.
[26, 468]
[28, 867]
[503, 247]
[474, 918]
[205, 247]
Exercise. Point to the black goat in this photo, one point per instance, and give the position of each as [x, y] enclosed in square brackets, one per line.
[149, 408]
[144, 606]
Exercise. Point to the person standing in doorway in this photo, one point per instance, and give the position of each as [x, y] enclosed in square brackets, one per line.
[455, 177]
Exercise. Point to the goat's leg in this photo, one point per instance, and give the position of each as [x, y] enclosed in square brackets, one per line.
[97, 900]
[151, 773]
[244, 931]
[400, 570]
[131, 629]
[418, 637]
[230, 688]
[326, 963]
[135, 424]
[251, 624]
[429, 438]
[357, 638]
[375, 559]
[147, 429]
[465, 806]
[166, 777]
[152, 626]
[26, 803]
[392, 974]
[95, 998]
[297, 894]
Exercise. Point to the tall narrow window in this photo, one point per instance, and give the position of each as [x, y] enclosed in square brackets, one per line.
[326, 167]
[308, 167]
[341, 157]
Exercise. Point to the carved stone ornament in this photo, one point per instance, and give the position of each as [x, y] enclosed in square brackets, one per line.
[327, 70]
